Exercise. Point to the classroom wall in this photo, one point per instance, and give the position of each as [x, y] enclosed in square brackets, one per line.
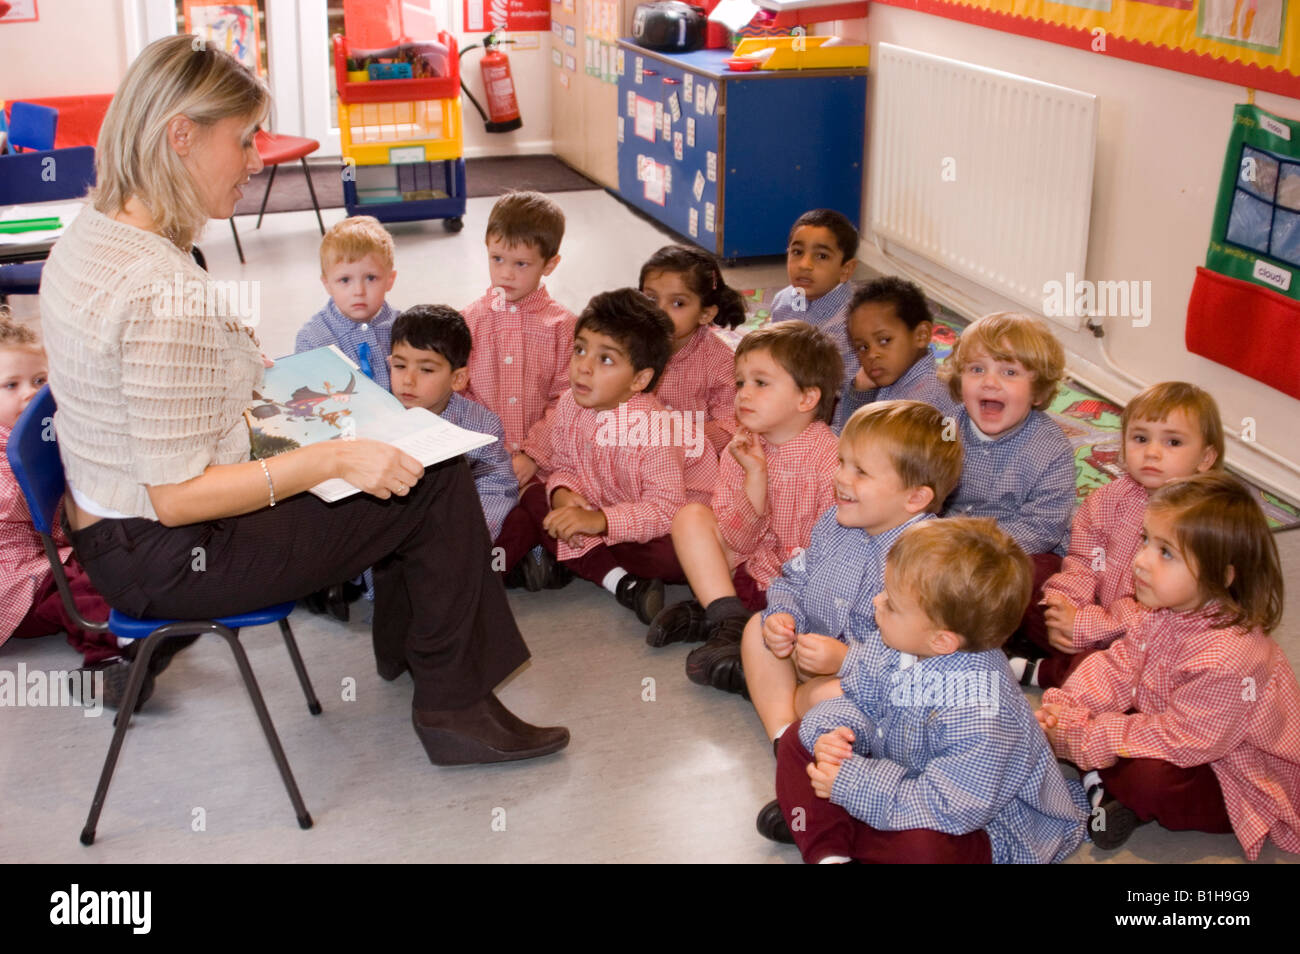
[1160, 150]
[75, 47]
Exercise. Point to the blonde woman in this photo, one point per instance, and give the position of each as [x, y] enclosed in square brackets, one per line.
[151, 394]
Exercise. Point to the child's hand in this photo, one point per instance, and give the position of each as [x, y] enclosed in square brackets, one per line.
[267, 362]
[1061, 642]
[818, 655]
[1059, 615]
[835, 746]
[747, 451]
[862, 381]
[1048, 716]
[779, 635]
[525, 467]
[571, 523]
[823, 775]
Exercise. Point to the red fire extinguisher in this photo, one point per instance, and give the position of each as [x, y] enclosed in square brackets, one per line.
[503, 109]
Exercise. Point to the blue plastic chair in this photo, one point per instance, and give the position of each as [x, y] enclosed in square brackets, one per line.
[23, 279]
[34, 456]
[32, 126]
[47, 176]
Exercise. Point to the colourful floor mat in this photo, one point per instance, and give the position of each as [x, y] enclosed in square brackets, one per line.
[1089, 420]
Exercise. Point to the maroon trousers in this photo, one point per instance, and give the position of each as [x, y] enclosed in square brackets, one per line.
[1055, 665]
[1180, 799]
[822, 830]
[47, 616]
[523, 530]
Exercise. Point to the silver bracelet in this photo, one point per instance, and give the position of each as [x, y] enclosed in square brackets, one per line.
[270, 487]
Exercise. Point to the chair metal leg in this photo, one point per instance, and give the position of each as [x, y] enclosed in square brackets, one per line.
[266, 195]
[313, 704]
[312, 189]
[123, 719]
[136, 681]
[273, 740]
[238, 248]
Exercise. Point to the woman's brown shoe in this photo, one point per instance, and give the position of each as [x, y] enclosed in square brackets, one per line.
[484, 732]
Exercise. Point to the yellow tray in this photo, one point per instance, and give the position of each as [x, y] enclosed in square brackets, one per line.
[803, 53]
[409, 131]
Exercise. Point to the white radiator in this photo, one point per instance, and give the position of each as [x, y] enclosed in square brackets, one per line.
[985, 173]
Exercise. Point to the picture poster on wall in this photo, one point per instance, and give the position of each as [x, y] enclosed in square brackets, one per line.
[231, 27]
[19, 11]
[523, 16]
[1253, 43]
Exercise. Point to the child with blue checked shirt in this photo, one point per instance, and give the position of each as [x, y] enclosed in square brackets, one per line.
[896, 469]
[890, 327]
[356, 268]
[429, 369]
[820, 259]
[931, 755]
[1018, 465]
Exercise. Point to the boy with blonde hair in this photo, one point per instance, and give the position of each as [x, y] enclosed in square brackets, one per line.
[931, 754]
[356, 268]
[523, 338]
[1018, 466]
[774, 482]
[896, 469]
[1170, 430]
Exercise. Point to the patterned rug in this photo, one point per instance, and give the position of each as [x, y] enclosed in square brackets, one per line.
[1090, 421]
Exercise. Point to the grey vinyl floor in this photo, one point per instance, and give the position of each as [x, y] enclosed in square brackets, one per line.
[659, 770]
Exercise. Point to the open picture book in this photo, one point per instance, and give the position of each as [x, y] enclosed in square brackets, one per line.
[320, 395]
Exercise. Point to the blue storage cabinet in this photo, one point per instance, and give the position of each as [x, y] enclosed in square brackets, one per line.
[757, 151]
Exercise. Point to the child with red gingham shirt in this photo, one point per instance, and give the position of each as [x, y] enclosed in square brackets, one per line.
[29, 602]
[1192, 718]
[686, 282]
[617, 478]
[522, 336]
[1170, 430]
[775, 480]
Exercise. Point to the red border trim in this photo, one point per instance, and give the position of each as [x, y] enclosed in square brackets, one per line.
[1184, 61]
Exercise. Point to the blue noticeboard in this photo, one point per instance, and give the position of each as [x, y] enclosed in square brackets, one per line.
[742, 155]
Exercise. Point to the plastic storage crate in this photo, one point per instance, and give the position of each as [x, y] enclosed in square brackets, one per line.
[404, 140]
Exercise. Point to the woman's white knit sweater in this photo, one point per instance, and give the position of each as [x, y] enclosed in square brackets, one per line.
[151, 379]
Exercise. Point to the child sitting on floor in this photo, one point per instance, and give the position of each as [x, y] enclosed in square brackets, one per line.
[29, 602]
[686, 282]
[431, 348]
[820, 259]
[1018, 465]
[1170, 430]
[618, 466]
[1192, 718]
[890, 327]
[523, 338]
[895, 469]
[356, 268]
[931, 754]
[774, 481]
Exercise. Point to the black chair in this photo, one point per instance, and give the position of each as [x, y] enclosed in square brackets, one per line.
[34, 456]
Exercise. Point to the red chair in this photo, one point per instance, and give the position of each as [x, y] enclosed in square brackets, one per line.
[274, 150]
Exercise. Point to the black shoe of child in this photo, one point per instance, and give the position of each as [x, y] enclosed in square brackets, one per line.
[314, 602]
[717, 663]
[336, 602]
[1112, 824]
[535, 573]
[560, 575]
[680, 623]
[772, 824]
[116, 673]
[642, 596]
